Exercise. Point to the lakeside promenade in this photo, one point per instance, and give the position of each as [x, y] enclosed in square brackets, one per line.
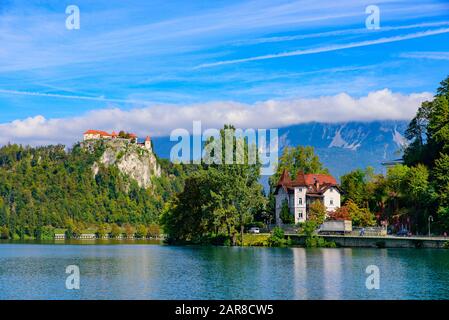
[388, 241]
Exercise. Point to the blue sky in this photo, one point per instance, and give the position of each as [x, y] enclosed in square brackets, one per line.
[139, 58]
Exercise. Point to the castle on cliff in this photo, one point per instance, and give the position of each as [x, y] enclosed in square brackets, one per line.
[103, 135]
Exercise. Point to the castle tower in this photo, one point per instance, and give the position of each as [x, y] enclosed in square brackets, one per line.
[148, 143]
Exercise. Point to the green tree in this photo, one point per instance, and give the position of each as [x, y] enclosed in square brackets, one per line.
[153, 231]
[295, 159]
[277, 238]
[360, 217]
[441, 178]
[428, 132]
[141, 231]
[4, 232]
[48, 186]
[219, 197]
[316, 212]
[45, 233]
[102, 230]
[355, 184]
[285, 215]
[443, 89]
[129, 230]
[115, 231]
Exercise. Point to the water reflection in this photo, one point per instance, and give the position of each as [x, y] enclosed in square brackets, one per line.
[30, 271]
[332, 277]
[300, 273]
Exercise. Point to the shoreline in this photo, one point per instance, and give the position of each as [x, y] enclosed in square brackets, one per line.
[341, 241]
[350, 241]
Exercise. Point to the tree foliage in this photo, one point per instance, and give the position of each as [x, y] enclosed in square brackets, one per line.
[409, 193]
[50, 187]
[316, 212]
[285, 215]
[295, 159]
[217, 199]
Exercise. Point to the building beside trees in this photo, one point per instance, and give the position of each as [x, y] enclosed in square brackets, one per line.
[299, 194]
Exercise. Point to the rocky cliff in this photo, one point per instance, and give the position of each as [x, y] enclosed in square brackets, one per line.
[133, 160]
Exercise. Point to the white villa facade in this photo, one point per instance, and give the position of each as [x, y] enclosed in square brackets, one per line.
[303, 191]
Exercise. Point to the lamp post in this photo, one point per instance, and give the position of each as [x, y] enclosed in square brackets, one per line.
[430, 219]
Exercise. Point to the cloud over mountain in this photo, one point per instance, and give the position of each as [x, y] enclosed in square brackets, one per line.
[159, 120]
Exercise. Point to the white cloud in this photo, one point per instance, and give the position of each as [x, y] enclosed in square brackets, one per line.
[329, 48]
[72, 97]
[432, 55]
[160, 120]
[338, 33]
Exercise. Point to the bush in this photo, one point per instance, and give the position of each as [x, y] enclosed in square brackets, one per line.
[4, 232]
[74, 229]
[129, 230]
[312, 240]
[219, 240]
[278, 233]
[317, 212]
[45, 233]
[154, 231]
[286, 216]
[102, 230]
[115, 231]
[141, 231]
[319, 242]
[277, 238]
[308, 228]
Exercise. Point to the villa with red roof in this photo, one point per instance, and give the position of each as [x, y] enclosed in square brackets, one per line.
[303, 191]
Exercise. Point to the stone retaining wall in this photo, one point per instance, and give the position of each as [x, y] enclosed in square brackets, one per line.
[378, 242]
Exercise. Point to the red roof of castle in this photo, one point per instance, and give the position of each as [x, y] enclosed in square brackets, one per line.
[101, 133]
[105, 134]
[147, 138]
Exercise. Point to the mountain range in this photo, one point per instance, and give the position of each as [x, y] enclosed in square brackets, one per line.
[342, 147]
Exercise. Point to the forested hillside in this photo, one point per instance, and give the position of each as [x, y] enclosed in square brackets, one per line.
[49, 187]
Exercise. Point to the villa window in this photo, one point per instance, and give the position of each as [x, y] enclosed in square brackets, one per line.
[331, 202]
[299, 189]
[300, 214]
[300, 201]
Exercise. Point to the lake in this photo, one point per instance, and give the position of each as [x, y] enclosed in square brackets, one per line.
[153, 271]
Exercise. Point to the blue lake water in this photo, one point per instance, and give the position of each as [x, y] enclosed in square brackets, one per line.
[150, 271]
